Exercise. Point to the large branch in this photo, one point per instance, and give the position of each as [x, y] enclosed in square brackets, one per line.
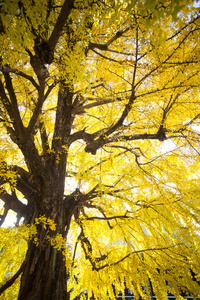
[99, 143]
[61, 21]
[24, 184]
[80, 135]
[14, 105]
[119, 123]
[4, 215]
[36, 112]
[18, 134]
[74, 202]
[22, 74]
[7, 105]
[34, 119]
[97, 140]
[12, 202]
[94, 144]
[21, 136]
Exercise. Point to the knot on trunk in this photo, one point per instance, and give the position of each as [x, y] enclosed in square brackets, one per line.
[43, 51]
[161, 136]
[39, 67]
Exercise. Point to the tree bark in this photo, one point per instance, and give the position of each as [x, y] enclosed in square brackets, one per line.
[44, 276]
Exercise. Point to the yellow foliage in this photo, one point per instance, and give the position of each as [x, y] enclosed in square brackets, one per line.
[102, 152]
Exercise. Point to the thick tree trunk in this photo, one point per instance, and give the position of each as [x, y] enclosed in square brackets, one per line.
[44, 276]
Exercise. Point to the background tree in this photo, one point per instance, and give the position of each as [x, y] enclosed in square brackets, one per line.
[99, 105]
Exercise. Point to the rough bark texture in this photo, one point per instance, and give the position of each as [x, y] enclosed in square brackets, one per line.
[44, 275]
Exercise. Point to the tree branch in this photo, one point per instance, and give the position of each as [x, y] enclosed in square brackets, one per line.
[13, 202]
[105, 57]
[12, 279]
[36, 113]
[132, 253]
[4, 215]
[7, 105]
[168, 108]
[100, 209]
[61, 21]
[80, 135]
[76, 110]
[136, 60]
[95, 145]
[22, 74]
[165, 61]
[87, 249]
[19, 127]
[23, 182]
[104, 47]
[109, 218]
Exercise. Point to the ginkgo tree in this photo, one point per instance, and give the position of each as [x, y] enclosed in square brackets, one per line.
[99, 120]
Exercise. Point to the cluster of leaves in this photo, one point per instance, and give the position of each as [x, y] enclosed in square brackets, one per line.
[49, 225]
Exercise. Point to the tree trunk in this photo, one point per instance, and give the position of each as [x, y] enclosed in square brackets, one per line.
[44, 276]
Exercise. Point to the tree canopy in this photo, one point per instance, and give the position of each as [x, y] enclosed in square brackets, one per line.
[99, 120]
